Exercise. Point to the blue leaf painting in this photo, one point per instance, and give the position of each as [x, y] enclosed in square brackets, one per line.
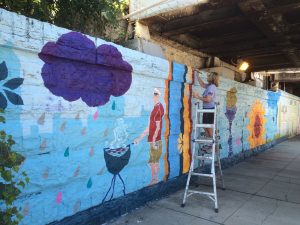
[3, 102]
[14, 98]
[3, 71]
[14, 83]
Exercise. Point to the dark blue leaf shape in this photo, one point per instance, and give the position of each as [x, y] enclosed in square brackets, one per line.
[14, 98]
[3, 101]
[14, 83]
[3, 71]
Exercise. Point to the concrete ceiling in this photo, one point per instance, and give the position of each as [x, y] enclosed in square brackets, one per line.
[266, 33]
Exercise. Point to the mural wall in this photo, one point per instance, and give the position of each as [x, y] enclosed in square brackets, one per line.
[97, 121]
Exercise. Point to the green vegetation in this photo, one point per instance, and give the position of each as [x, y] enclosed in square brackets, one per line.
[11, 179]
[92, 17]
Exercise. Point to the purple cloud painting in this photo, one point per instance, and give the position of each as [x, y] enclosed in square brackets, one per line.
[74, 68]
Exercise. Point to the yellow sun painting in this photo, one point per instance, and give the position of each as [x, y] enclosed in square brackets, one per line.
[256, 126]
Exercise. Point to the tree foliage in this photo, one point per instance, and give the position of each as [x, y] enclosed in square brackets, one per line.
[87, 16]
[11, 179]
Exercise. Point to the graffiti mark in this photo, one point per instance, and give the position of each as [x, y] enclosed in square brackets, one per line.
[231, 103]
[74, 68]
[11, 84]
[256, 126]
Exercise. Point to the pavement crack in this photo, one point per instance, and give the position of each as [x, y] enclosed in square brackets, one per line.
[189, 214]
[270, 214]
[250, 197]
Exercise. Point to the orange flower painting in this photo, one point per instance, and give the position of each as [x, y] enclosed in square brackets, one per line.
[180, 143]
[256, 126]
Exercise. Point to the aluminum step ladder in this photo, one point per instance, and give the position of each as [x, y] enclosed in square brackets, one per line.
[213, 156]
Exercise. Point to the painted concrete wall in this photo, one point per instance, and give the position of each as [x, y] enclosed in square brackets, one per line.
[75, 104]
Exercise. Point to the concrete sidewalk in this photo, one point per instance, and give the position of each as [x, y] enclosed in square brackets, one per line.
[264, 189]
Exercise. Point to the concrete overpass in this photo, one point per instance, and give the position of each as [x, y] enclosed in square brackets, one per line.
[265, 33]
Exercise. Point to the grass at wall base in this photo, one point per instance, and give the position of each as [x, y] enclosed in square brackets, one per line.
[12, 180]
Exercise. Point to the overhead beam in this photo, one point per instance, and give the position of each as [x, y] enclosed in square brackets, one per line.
[210, 45]
[238, 47]
[270, 67]
[229, 38]
[256, 52]
[205, 18]
[189, 23]
[285, 8]
[156, 37]
[293, 57]
[267, 61]
[294, 29]
[263, 55]
[216, 24]
[186, 39]
[252, 52]
[287, 77]
[256, 11]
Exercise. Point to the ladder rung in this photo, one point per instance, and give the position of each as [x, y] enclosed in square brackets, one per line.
[201, 192]
[203, 157]
[202, 174]
[204, 140]
[202, 125]
[205, 110]
[207, 151]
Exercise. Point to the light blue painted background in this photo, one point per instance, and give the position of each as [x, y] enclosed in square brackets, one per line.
[20, 53]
